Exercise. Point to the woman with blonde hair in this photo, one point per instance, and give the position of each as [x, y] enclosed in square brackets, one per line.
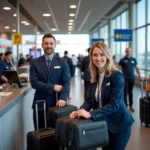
[105, 98]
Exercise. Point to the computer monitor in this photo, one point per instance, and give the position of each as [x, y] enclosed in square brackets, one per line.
[13, 78]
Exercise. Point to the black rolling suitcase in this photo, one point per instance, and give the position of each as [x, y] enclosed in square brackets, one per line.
[144, 107]
[42, 139]
[59, 112]
[81, 134]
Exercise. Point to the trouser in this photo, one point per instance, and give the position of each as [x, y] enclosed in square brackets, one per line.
[86, 87]
[128, 88]
[118, 141]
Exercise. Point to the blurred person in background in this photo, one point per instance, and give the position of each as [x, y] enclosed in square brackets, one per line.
[21, 61]
[86, 72]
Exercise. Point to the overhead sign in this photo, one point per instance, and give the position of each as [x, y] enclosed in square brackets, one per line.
[96, 40]
[123, 35]
[17, 38]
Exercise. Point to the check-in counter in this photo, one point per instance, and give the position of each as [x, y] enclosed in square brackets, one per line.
[16, 118]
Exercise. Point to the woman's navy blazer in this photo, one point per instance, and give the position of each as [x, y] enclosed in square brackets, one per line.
[113, 110]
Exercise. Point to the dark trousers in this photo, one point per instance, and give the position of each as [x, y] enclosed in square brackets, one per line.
[40, 119]
[128, 88]
[86, 87]
[118, 141]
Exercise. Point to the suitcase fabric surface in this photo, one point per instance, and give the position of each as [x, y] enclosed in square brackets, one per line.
[144, 107]
[59, 112]
[81, 134]
[43, 139]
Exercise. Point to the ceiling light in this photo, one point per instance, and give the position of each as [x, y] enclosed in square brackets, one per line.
[7, 27]
[69, 32]
[54, 29]
[13, 30]
[6, 8]
[71, 15]
[46, 15]
[23, 22]
[70, 23]
[14, 15]
[27, 24]
[69, 27]
[37, 32]
[71, 20]
[73, 6]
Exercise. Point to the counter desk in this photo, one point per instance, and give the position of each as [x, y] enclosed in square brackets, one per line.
[16, 118]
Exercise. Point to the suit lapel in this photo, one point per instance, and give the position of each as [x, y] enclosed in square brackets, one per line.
[43, 65]
[53, 63]
[105, 80]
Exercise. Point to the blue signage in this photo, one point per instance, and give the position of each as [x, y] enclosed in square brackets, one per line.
[123, 35]
[96, 40]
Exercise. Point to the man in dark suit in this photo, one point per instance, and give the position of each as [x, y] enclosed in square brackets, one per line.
[86, 73]
[48, 75]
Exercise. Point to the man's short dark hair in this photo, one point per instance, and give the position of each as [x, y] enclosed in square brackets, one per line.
[48, 36]
[8, 53]
[66, 52]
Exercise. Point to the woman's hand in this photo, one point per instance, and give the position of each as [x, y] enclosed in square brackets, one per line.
[83, 113]
[73, 114]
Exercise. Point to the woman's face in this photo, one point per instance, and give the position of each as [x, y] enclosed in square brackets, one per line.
[99, 59]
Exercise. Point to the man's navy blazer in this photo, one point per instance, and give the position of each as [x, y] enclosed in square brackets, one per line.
[43, 80]
[113, 110]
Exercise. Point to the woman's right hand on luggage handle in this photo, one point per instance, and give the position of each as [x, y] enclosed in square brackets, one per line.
[73, 115]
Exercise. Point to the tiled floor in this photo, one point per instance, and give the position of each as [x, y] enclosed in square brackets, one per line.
[140, 137]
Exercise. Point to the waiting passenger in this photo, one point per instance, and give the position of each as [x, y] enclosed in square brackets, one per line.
[85, 68]
[106, 99]
[21, 61]
[127, 64]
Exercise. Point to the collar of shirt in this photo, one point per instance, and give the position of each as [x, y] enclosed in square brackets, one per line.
[47, 58]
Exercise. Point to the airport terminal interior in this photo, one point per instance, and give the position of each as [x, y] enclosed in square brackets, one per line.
[76, 26]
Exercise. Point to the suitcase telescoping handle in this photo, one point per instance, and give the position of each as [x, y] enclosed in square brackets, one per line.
[142, 87]
[36, 109]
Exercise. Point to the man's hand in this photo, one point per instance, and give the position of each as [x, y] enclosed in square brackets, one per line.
[58, 88]
[60, 103]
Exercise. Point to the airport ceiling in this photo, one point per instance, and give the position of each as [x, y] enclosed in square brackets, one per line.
[88, 13]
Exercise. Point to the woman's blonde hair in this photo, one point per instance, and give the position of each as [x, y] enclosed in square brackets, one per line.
[109, 67]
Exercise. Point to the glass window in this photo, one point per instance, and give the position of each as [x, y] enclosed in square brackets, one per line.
[148, 47]
[118, 22]
[141, 13]
[95, 34]
[102, 32]
[106, 31]
[113, 26]
[148, 11]
[141, 48]
[118, 50]
[124, 20]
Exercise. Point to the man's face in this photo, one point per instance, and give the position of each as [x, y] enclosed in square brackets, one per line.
[128, 52]
[9, 57]
[48, 45]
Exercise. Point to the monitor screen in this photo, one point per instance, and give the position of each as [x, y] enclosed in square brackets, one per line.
[13, 78]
